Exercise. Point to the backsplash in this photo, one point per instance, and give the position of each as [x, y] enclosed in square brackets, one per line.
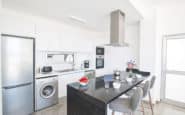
[57, 62]
[115, 59]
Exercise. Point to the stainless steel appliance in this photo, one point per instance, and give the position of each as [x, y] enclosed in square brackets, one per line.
[100, 57]
[99, 51]
[86, 64]
[46, 69]
[117, 29]
[99, 62]
[17, 54]
[46, 92]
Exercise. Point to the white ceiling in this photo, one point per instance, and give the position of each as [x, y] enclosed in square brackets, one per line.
[162, 2]
[94, 12]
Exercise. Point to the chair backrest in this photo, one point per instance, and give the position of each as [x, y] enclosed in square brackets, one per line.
[152, 82]
[136, 98]
[132, 70]
[144, 73]
[146, 88]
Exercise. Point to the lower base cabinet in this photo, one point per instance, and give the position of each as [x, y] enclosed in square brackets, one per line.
[66, 79]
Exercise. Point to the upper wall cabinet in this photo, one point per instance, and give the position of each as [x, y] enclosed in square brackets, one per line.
[17, 25]
[76, 39]
[51, 35]
[47, 37]
[46, 34]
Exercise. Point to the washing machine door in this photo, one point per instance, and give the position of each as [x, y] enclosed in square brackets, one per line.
[48, 90]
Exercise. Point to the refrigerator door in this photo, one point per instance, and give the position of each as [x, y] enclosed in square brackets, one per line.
[17, 60]
[18, 100]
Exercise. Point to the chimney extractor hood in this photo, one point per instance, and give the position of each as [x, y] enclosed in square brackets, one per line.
[117, 29]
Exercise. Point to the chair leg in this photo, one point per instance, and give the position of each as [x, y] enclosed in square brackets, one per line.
[150, 102]
[143, 109]
[112, 112]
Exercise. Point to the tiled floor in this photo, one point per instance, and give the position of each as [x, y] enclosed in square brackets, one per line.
[163, 109]
[160, 109]
[59, 109]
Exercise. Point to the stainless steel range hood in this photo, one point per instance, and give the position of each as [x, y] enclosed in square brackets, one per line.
[117, 29]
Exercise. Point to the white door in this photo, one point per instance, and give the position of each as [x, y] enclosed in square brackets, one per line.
[173, 78]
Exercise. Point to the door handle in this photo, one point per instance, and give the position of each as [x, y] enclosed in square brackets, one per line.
[15, 86]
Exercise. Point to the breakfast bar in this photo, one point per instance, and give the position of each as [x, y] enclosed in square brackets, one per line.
[94, 98]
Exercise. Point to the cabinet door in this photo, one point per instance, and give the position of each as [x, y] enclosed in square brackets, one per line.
[17, 25]
[47, 37]
[62, 86]
[66, 79]
[63, 81]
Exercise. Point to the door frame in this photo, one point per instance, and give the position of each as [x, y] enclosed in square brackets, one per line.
[164, 70]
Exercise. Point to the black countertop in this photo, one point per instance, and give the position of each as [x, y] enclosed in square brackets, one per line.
[96, 90]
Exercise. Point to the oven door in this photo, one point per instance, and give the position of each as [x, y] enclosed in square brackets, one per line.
[99, 63]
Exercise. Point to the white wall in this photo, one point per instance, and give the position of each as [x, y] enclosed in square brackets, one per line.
[148, 49]
[0, 66]
[147, 55]
[158, 20]
[170, 20]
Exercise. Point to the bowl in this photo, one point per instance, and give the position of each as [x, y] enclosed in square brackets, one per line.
[129, 79]
[84, 81]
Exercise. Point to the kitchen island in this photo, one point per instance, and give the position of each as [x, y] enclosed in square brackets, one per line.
[93, 99]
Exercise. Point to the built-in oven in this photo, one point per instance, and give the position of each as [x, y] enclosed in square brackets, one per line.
[99, 62]
[100, 57]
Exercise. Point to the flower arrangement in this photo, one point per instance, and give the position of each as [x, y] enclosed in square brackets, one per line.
[131, 64]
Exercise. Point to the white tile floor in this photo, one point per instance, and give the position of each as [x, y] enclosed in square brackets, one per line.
[159, 109]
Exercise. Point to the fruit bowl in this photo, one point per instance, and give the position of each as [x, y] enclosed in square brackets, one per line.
[84, 81]
[129, 79]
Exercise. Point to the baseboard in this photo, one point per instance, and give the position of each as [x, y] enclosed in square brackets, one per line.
[174, 103]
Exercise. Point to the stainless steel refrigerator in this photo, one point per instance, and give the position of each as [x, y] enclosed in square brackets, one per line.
[17, 56]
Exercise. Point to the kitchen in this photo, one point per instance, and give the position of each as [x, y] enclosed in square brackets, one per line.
[74, 33]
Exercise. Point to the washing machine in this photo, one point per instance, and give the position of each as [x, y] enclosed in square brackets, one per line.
[46, 92]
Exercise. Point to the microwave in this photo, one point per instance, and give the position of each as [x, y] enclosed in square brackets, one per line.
[100, 51]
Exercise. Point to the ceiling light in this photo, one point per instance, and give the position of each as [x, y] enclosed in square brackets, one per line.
[77, 19]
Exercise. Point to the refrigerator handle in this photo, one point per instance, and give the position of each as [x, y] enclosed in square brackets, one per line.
[15, 86]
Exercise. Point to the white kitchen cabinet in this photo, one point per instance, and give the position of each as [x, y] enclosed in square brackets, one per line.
[17, 25]
[48, 36]
[66, 79]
